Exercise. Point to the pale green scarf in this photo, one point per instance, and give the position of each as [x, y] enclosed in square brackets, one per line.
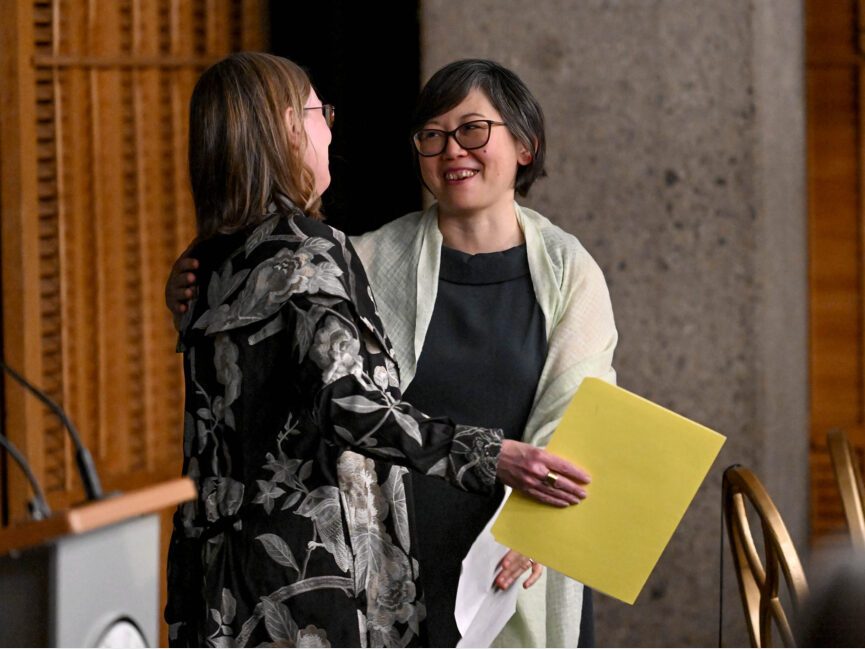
[402, 262]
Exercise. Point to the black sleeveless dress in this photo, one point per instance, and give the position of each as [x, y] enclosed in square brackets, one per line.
[486, 376]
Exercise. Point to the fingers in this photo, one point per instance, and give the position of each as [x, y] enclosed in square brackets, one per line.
[182, 275]
[537, 571]
[513, 564]
[184, 264]
[183, 291]
[181, 286]
[182, 283]
[566, 487]
[550, 497]
[176, 298]
[549, 478]
[568, 480]
[545, 477]
[564, 468]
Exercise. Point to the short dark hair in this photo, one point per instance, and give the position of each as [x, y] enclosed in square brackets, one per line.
[507, 93]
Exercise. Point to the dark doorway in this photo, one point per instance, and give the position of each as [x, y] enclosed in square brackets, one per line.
[371, 73]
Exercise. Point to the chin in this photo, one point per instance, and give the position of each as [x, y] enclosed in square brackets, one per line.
[460, 207]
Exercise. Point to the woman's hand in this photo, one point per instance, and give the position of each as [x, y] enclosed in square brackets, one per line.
[512, 565]
[541, 475]
[181, 287]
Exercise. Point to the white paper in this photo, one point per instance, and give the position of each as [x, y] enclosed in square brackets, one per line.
[481, 609]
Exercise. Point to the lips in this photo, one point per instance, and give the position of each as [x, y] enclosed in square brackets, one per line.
[460, 174]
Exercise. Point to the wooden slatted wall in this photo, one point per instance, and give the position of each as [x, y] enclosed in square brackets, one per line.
[835, 32]
[95, 207]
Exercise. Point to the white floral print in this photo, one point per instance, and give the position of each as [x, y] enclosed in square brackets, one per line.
[296, 539]
[336, 351]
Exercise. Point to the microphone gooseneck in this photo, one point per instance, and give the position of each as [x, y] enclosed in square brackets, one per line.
[84, 461]
[40, 509]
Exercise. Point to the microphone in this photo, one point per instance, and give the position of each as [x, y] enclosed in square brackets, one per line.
[86, 467]
[39, 505]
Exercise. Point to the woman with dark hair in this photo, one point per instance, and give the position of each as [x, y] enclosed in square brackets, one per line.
[295, 431]
[496, 316]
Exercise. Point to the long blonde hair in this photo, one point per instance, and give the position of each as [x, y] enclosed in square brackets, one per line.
[241, 155]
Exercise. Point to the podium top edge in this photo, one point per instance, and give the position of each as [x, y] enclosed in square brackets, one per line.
[94, 515]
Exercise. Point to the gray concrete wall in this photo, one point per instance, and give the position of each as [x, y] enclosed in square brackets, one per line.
[676, 154]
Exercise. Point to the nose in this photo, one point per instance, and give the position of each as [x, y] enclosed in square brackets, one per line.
[452, 147]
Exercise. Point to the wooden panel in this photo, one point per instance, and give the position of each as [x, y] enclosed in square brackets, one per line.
[110, 107]
[178, 197]
[218, 14]
[20, 241]
[95, 207]
[831, 30]
[834, 275]
[251, 24]
[75, 159]
[95, 202]
[57, 477]
[835, 94]
[144, 243]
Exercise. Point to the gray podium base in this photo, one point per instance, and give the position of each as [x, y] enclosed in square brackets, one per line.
[71, 592]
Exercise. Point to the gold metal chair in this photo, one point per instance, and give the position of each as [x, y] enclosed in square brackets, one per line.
[849, 478]
[759, 580]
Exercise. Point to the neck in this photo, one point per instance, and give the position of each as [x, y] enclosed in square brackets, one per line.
[491, 230]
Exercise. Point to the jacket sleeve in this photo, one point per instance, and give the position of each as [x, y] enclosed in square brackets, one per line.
[352, 382]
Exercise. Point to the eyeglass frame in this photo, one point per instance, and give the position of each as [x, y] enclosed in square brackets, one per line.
[328, 111]
[448, 134]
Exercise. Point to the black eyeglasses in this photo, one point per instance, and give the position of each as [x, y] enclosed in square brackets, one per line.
[327, 110]
[471, 135]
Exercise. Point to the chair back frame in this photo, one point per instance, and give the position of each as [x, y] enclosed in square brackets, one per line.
[759, 580]
[849, 478]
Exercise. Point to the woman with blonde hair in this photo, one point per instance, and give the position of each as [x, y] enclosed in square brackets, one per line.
[295, 431]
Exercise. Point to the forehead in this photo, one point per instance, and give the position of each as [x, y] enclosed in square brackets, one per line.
[312, 99]
[475, 105]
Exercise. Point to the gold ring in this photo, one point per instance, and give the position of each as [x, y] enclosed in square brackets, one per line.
[550, 479]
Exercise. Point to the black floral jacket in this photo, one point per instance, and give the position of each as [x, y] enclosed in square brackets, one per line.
[294, 539]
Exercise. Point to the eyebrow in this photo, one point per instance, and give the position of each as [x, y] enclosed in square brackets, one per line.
[462, 117]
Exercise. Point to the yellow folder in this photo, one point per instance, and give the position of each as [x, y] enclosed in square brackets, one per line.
[646, 464]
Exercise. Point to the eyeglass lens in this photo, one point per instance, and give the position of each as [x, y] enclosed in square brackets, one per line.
[471, 135]
[329, 114]
[327, 110]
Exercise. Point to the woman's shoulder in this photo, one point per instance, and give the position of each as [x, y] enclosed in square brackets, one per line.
[286, 255]
[312, 227]
[564, 249]
[293, 233]
[397, 231]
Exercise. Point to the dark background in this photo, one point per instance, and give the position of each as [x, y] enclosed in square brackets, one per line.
[372, 75]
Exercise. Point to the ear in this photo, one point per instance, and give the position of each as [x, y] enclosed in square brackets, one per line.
[291, 126]
[525, 156]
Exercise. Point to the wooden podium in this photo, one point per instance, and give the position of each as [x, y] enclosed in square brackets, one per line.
[89, 576]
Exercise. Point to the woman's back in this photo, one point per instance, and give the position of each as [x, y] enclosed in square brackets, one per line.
[287, 366]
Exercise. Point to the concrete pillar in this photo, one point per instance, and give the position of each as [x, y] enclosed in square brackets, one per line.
[676, 155]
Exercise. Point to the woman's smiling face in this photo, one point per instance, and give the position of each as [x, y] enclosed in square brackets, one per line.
[473, 181]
